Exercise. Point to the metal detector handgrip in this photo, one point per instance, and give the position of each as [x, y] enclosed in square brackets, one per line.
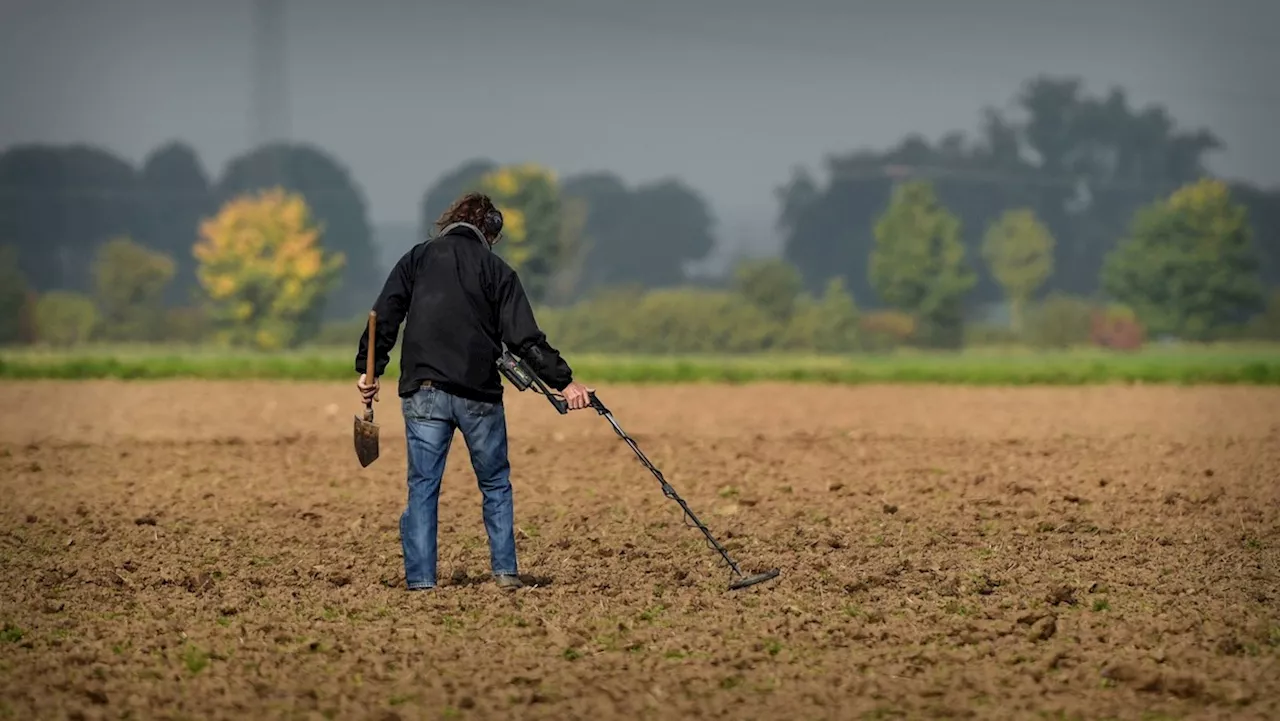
[596, 404]
[562, 406]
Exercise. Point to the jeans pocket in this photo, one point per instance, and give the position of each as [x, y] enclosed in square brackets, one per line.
[418, 406]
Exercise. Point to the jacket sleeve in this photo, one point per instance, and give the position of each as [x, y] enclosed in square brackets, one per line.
[522, 336]
[391, 306]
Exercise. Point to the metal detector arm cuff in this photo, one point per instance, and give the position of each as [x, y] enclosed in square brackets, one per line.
[523, 337]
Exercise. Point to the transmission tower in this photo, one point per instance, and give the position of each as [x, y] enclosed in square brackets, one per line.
[269, 105]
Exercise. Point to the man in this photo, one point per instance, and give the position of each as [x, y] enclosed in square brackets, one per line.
[462, 301]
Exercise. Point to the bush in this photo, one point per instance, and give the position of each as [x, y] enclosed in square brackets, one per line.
[702, 321]
[671, 320]
[827, 325]
[1117, 328]
[604, 322]
[977, 335]
[771, 284]
[187, 325]
[1061, 321]
[64, 318]
[884, 330]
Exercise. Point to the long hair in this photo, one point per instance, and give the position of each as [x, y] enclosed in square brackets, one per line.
[470, 208]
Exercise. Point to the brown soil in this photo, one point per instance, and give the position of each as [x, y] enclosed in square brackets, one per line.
[213, 551]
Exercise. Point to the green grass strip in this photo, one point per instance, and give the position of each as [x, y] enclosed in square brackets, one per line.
[1181, 366]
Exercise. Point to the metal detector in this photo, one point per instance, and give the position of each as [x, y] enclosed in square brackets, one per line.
[520, 376]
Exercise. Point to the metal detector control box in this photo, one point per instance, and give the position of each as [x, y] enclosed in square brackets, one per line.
[513, 370]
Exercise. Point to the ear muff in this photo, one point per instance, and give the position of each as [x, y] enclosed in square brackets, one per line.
[492, 224]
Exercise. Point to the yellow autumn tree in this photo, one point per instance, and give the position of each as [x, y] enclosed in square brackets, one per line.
[263, 270]
[542, 230]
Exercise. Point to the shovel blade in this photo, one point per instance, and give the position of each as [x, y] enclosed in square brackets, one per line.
[366, 436]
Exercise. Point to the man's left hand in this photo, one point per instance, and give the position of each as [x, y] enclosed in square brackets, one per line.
[368, 389]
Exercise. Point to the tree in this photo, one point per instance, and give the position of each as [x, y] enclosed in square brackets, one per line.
[827, 231]
[536, 238]
[1263, 209]
[64, 318]
[1103, 159]
[918, 263]
[448, 188]
[1019, 251]
[59, 203]
[566, 279]
[607, 229]
[264, 271]
[1266, 325]
[179, 196]
[1188, 265]
[14, 297]
[668, 225]
[770, 284]
[335, 199]
[129, 281]
[1084, 163]
[645, 235]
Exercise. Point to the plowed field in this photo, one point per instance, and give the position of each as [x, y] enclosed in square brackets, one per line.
[213, 551]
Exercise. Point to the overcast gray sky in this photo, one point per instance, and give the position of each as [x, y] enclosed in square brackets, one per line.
[727, 94]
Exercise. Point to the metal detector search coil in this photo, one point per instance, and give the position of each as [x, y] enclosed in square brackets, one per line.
[514, 369]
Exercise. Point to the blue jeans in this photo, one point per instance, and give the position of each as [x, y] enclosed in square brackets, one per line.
[430, 418]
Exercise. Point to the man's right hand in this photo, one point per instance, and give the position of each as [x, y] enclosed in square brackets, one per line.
[368, 389]
[577, 395]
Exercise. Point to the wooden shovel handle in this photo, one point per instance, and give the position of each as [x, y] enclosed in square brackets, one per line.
[368, 364]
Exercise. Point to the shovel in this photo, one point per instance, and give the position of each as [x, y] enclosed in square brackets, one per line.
[366, 431]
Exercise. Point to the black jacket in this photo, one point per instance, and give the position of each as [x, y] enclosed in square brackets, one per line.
[460, 301]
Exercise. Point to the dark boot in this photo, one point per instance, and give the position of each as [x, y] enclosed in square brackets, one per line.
[508, 581]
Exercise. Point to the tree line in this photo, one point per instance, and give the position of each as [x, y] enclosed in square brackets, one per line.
[1072, 211]
[1083, 164]
[1186, 268]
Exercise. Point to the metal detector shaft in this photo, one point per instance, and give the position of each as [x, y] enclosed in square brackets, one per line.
[513, 368]
[667, 490]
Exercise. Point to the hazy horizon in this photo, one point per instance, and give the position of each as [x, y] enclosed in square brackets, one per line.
[728, 100]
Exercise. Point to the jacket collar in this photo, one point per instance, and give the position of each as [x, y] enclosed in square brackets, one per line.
[466, 227]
